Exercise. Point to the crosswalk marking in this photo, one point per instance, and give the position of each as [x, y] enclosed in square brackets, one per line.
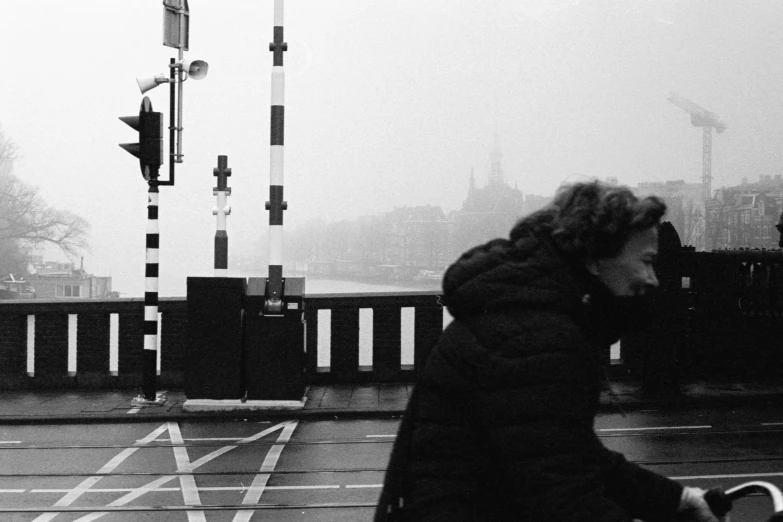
[256, 489]
[187, 482]
[184, 470]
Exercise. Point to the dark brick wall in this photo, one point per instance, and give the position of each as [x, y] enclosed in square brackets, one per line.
[13, 346]
[345, 344]
[131, 344]
[173, 344]
[386, 343]
[93, 340]
[51, 347]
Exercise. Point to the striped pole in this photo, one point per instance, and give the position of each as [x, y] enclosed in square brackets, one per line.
[276, 205]
[151, 295]
[222, 191]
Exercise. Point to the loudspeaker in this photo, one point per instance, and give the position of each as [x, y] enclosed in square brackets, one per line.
[196, 69]
[150, 82]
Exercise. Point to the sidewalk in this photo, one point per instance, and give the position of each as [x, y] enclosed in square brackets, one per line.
[329, 402]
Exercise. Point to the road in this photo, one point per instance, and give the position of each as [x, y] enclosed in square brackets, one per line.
[320, 470]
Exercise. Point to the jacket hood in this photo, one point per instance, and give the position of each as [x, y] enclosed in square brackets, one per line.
[501, 274]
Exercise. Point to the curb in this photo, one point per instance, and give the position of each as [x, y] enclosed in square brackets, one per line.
[606, 406]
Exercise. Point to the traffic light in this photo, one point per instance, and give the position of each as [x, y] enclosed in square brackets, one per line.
[149, 149]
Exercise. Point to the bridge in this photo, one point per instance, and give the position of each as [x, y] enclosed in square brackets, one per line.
[696, 397]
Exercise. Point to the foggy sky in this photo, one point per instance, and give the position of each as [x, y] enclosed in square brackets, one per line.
[387, 104]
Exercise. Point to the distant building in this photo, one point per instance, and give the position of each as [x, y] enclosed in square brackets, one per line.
[684, 208]
[406, 241]
[744, 216]
[54, 280]
[535, 202]
[488, 212]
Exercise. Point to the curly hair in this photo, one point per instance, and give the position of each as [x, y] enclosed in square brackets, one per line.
[591, 219]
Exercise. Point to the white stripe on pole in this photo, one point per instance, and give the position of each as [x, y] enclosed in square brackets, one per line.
[150, 313]
[152, 256]
[278, 85]
[324, 344]
[114, 343]
[219, 211]
[365, 339]
[151, 284]
[279, 13]
[276, 164]
[72, 336]
[407, 329]
[150, 342]
[160, 337]
[31, 345]
[275, 245]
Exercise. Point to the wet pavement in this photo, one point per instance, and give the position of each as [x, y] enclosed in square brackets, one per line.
[321, 470]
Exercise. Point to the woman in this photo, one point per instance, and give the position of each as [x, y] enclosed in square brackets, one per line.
[501, 423]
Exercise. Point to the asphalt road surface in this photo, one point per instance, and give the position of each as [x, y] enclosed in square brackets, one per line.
[321, 470]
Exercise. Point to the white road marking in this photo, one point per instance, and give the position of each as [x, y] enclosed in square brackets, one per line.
[203, 488]
[658, 428]
[357, 486]
[188, 468]
[12, 490]
[209, 439]
[380, 436]
[256, 489]
[10, 441]
[110, 466]
[190, 494]
[772, 423]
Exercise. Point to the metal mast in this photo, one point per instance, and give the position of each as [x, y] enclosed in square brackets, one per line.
[701, 117]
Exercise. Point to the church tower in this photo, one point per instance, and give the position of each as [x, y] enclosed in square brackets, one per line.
[496, 176]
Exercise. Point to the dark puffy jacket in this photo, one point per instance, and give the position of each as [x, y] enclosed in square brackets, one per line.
[502, 424]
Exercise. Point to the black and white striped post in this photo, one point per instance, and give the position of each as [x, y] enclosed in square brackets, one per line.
[276, 205]
[149, 125]
[222, 191]
[151, 273]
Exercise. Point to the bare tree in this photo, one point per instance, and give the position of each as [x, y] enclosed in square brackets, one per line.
[26, 220]
[26, 217]
[8, 152]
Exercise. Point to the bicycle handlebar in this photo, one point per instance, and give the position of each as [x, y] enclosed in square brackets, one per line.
[721, 502]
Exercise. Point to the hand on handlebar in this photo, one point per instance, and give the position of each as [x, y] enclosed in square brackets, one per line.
[694, 507]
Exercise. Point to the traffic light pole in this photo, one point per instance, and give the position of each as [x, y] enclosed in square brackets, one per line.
[151, 273]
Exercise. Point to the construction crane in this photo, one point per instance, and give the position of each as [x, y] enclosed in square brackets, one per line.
[707, 120]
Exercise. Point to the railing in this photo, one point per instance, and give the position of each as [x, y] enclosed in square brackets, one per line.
[371, 337]
[86, 343]
[95, 343]
[735, 301]
[744, 282]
